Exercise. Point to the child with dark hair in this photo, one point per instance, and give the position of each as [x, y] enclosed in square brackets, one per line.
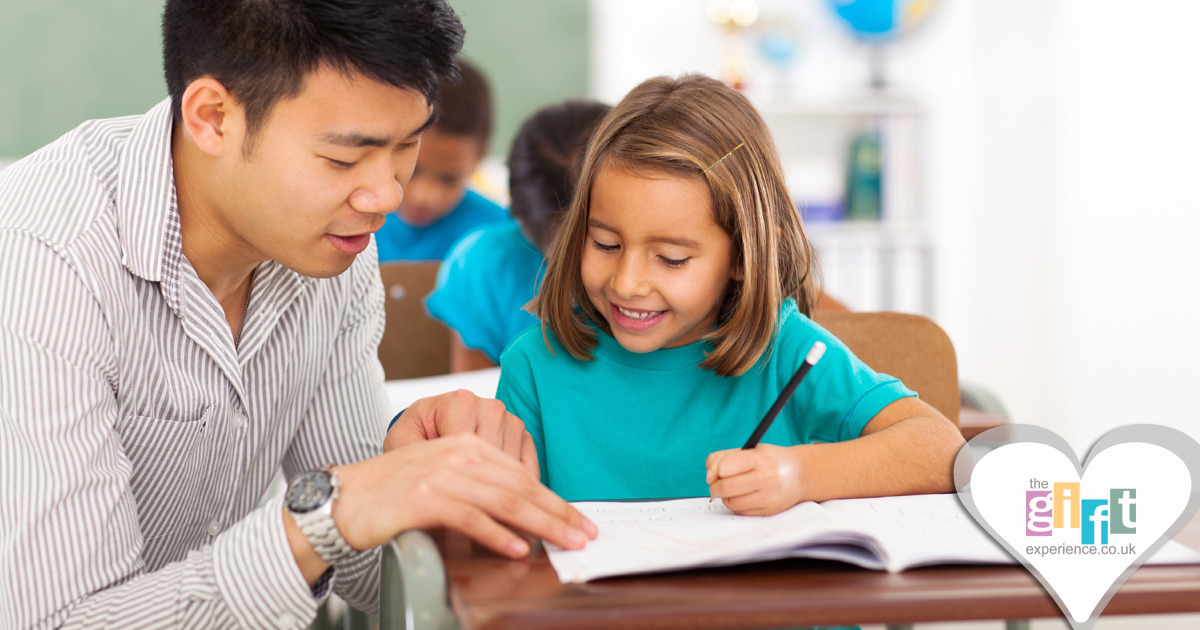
[492, 273]
[437, 209]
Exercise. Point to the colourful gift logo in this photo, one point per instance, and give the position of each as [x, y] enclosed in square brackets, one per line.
[1082, 529]
[1063, 508]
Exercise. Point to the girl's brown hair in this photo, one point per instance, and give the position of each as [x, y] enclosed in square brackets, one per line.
[682, 127]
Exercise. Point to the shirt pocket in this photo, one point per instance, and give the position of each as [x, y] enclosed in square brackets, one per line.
[167, 458]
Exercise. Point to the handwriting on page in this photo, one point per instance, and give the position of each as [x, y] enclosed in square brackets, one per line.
[697, 511]
[670, 528]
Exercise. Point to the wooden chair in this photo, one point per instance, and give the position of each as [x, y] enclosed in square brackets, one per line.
[909, 347]
[414, 344]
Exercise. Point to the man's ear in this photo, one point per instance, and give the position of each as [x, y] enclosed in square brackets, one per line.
[212, 117]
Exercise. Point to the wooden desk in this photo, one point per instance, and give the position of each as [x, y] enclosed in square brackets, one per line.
[972, 422]
[487, 592]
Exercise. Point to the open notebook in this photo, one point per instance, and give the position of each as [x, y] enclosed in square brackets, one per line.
[889, 533]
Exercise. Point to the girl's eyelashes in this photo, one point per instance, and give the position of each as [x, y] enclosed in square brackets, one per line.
[670, 262]
[339, 164]
[604, 248]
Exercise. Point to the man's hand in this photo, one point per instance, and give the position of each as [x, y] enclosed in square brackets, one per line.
[761, 481]
[458, 482]
[464, 412]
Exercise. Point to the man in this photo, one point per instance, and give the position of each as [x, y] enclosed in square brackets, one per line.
[437, 208]
[184, 308]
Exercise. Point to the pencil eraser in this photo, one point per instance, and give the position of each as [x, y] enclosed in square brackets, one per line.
[814, 355]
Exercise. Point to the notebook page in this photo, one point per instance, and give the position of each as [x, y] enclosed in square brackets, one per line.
[643, 537]
[922, 529]
[404, 392]
[887, 533]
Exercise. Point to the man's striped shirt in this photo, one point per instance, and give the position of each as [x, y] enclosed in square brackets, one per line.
[136, 441]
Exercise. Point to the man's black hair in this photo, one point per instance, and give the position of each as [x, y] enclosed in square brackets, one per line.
[261, 50]
[465, 105]
[544, 165]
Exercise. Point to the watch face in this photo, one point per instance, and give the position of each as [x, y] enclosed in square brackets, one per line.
[308, 491]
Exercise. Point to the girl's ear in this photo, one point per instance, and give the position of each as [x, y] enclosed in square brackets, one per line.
[736, 273]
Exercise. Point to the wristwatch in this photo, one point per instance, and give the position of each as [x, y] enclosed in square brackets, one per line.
[309, 500]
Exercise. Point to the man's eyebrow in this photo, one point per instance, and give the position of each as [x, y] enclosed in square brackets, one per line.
[682, 242]
[356, 140]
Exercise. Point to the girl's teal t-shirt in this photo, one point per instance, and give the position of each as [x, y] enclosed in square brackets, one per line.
[640, 426]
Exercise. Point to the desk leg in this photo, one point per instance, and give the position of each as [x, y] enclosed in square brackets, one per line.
[412, 586]
[1017, 624]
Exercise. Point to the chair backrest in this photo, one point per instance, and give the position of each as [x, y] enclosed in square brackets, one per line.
[909, 347]
[414, 344]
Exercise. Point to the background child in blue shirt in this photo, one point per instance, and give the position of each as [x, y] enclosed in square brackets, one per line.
[490, 275]
[675, 308]
[437, 209]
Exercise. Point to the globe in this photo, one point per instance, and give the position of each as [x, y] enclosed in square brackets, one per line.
[780, 42]
[881, 21]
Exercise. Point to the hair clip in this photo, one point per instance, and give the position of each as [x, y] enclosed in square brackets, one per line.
[723, 157]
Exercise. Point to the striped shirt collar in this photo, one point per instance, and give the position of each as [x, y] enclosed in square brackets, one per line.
[151, 240]
[146, 198]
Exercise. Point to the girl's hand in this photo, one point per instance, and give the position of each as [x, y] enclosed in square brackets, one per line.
[762, 481]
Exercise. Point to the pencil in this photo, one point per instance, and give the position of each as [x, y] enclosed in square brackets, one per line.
[814, 355]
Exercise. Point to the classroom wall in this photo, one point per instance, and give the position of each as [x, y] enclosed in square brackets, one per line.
[1058, 144]
[66, 61]
[1126, 258]
[1069, 285]
[534, 52]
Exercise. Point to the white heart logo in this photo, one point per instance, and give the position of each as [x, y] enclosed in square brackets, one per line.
[1081, 531]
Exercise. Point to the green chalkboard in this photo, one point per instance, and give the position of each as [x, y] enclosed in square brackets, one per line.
[534, 52]
[65, 61]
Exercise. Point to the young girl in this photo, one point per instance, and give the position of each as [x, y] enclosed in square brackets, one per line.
[675, 309]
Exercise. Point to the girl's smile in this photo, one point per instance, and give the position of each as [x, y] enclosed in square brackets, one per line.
[635, 320]
[656, 264]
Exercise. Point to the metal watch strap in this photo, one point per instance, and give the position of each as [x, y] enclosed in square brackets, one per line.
[320, 530]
